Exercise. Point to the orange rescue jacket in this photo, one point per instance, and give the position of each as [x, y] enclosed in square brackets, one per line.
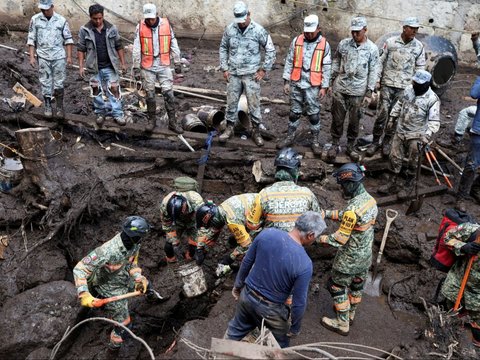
[315, 66]
[146, 43]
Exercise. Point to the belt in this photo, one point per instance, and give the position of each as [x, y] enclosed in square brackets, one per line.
[259, 297]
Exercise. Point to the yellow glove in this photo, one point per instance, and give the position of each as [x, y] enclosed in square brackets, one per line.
[141, 284]
[86, 299]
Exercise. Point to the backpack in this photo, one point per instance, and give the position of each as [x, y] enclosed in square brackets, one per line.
[443, 257]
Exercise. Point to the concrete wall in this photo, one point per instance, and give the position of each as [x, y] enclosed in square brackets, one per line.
[191, 18]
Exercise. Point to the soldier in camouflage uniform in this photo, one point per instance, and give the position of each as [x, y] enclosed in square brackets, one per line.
[241, 63]
[48, 33]
[177, 214]
[210, 221]
[112, 269]
[354, 240]
[463, 240]
[401, 57]
[354, 74]
[418, 114]
[279, 205]
[464, 121]
[476, 45]
[307, 78]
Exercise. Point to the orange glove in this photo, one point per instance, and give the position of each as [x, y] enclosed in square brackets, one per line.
[86, 299]
[141, 284]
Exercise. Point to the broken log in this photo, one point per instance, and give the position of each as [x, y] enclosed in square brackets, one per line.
[19, 89]
[230, 349]
[428, 192]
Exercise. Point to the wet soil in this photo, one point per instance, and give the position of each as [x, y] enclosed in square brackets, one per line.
[105, 192]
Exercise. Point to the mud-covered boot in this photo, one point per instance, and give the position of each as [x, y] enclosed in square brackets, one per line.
[227, 134]
[316, 148]
[60, 112]
[172, 122]
[352, 152]
[391, 187]
[257, 137]
[372, 148]
[151, 115]
[47, 111]
[351, 316]
[333, 151]
[386, 146]
[290, 139]
[337, 325]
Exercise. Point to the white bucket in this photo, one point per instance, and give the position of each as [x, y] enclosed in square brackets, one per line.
[194, 283]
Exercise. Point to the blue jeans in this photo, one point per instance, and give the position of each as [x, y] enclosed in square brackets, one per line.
[249, 314]
[105, 81]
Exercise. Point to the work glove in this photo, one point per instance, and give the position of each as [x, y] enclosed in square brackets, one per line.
[223, 270]
[86, 299]
[199, 256]
[236, 293]
[367, 98]
[472, 248]
[425, 140]
[137, 74]
[141, 284]
[178, 68]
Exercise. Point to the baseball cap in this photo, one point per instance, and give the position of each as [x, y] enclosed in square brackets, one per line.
[45, 4]
[149, 11]
[412, 22]
[422, 76]
[310, 23]
[240, 10]
[358, 23]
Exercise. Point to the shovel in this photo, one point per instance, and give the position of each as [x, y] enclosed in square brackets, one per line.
[416, 204]
[372, 286]
[100, 302]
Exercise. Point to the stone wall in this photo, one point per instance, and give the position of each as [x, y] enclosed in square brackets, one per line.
[451, 19]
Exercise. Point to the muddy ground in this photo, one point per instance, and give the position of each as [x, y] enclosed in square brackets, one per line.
[37, 297]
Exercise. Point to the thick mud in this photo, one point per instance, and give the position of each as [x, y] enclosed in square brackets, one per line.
[36, 293]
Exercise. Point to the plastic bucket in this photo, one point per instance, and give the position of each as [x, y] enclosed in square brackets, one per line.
[193, 278]
[11, 170]
[191, 122]
[211, 117]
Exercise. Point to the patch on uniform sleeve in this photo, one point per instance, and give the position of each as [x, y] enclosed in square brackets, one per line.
[88, 259]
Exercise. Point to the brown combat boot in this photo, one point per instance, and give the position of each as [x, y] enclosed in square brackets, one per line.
[391, 187]
[227, 134]
[352, 152]
[316, 148]
[337, 325]
[333, 151]
[372, 149]
[257, 137]
[172, 122]
[290, 139]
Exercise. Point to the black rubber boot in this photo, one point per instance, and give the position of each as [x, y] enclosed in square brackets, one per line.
[316, 148]
[290, 139]
[152, 118]
[48, 112]
[60, 112]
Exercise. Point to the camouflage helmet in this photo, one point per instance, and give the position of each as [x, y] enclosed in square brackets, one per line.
[288, 158]
[205, 214]
[135, 226]
[177, 206]
[351, 172]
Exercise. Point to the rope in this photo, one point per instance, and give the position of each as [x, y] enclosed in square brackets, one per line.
[207, 147]
[69, 331]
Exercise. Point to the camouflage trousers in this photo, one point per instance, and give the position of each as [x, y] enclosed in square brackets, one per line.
[388, 97]
[346, 290]
[236, 85]
[163, 76]
[52, 75]
[404, 148]
[341, 106]
[308, 98]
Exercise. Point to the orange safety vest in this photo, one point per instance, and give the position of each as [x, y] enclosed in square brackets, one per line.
[315, 66]
[146, 43]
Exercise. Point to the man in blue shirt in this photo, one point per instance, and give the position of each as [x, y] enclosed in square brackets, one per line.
[275, 266]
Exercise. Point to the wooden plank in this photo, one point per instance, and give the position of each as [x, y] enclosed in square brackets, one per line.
[244, 350]
[19, 89]
[428, 192]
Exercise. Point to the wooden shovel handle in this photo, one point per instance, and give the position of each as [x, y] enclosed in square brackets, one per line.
[101, 302]
[464, 282]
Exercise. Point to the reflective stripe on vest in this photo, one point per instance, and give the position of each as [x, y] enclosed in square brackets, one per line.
[146, 43]
[315, 66]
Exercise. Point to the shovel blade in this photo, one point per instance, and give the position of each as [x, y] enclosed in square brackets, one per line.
[372, 285]
[414, 206]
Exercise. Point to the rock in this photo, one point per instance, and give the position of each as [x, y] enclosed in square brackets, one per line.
[50, 266]
[37, 318]
[39, 354]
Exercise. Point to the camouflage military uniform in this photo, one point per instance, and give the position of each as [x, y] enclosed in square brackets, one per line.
[49, 38]
[418, 116]
[354, 71]
[182, 227]
[302, 93]
[279, 206]
[456, 238]
[354, 238]
[107, 271]
[476, 47]
[240, 55]
[233, 213]
[398, 63]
